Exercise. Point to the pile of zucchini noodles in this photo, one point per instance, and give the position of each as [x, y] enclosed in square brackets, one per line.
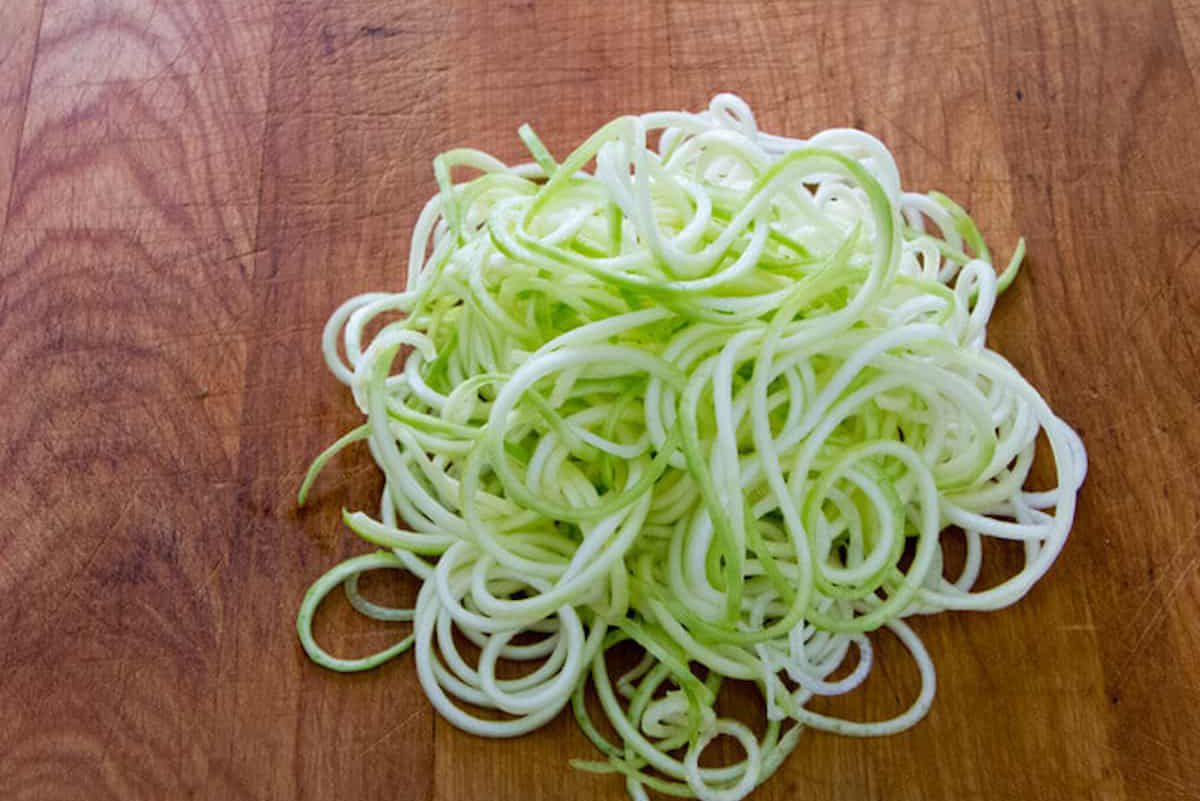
[712, 391]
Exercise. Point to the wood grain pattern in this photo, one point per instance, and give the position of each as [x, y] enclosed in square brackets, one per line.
[189, 187]
[126, 323]
[18, 42]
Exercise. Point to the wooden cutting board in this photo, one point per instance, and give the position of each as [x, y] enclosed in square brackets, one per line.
[189, 187]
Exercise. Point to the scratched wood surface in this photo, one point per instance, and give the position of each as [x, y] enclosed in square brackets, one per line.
[187, 189]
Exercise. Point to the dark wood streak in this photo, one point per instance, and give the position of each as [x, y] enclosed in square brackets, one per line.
[188, 188]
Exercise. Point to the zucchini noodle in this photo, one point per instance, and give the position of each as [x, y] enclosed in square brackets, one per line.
[720, 395]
